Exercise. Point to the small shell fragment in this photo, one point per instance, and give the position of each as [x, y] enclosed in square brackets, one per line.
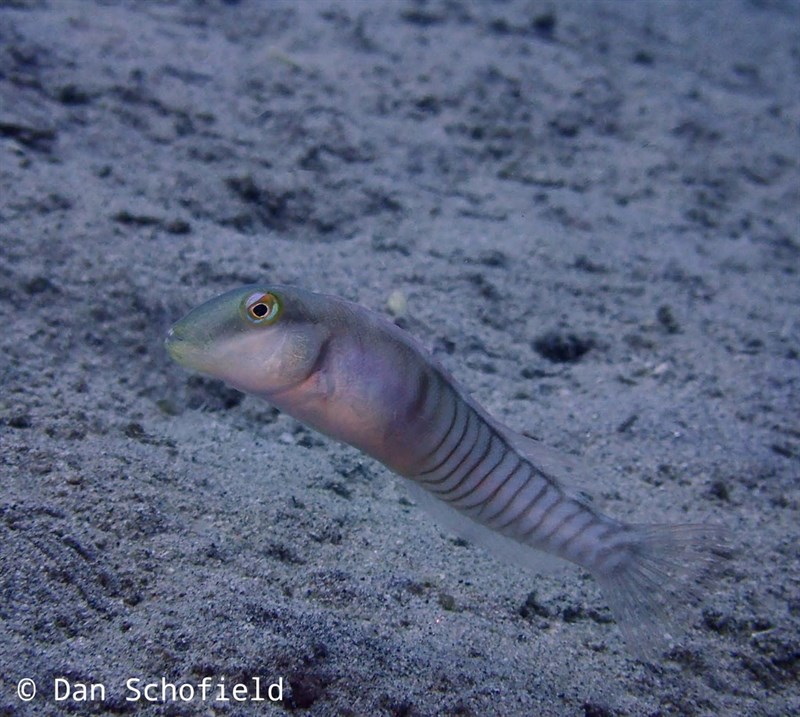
[397, 304]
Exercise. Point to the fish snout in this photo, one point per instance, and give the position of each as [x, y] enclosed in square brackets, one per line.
[174, 343]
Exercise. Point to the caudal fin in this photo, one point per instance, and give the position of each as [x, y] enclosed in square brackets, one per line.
[653, 572]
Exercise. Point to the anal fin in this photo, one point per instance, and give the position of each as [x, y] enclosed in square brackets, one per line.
[497, 544]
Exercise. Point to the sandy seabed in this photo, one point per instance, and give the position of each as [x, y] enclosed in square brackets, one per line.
[590, 211]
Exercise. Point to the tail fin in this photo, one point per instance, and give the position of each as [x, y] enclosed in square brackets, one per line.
[656, 568]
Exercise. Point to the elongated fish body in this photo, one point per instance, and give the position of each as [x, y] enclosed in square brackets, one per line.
[352, 375]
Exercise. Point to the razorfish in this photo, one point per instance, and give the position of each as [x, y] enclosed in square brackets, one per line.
[352, 375]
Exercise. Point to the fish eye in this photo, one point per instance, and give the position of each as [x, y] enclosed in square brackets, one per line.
[262, 308]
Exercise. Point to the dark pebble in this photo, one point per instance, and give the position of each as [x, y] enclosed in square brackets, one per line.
[178, 226]
[562, 348]
[545, 24]
[667, 319]
[719, 490]
[40, 285]
[20, 420]
[307, 688]
[532, 607]
[448, 602]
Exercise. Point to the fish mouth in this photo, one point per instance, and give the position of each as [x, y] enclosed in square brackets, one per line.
[176, 346]
[187, 349]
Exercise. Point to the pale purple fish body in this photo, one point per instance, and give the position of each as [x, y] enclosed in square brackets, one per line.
[352, 375]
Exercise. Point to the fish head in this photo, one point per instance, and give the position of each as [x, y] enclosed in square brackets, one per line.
[260, 339]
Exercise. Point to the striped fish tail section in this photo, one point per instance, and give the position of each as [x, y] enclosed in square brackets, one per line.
[470, 464]
[472, 467]
[533, 509]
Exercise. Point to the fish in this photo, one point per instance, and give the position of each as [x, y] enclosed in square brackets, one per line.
[353, 375]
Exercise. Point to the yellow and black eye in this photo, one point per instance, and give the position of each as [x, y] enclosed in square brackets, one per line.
[262, 308]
